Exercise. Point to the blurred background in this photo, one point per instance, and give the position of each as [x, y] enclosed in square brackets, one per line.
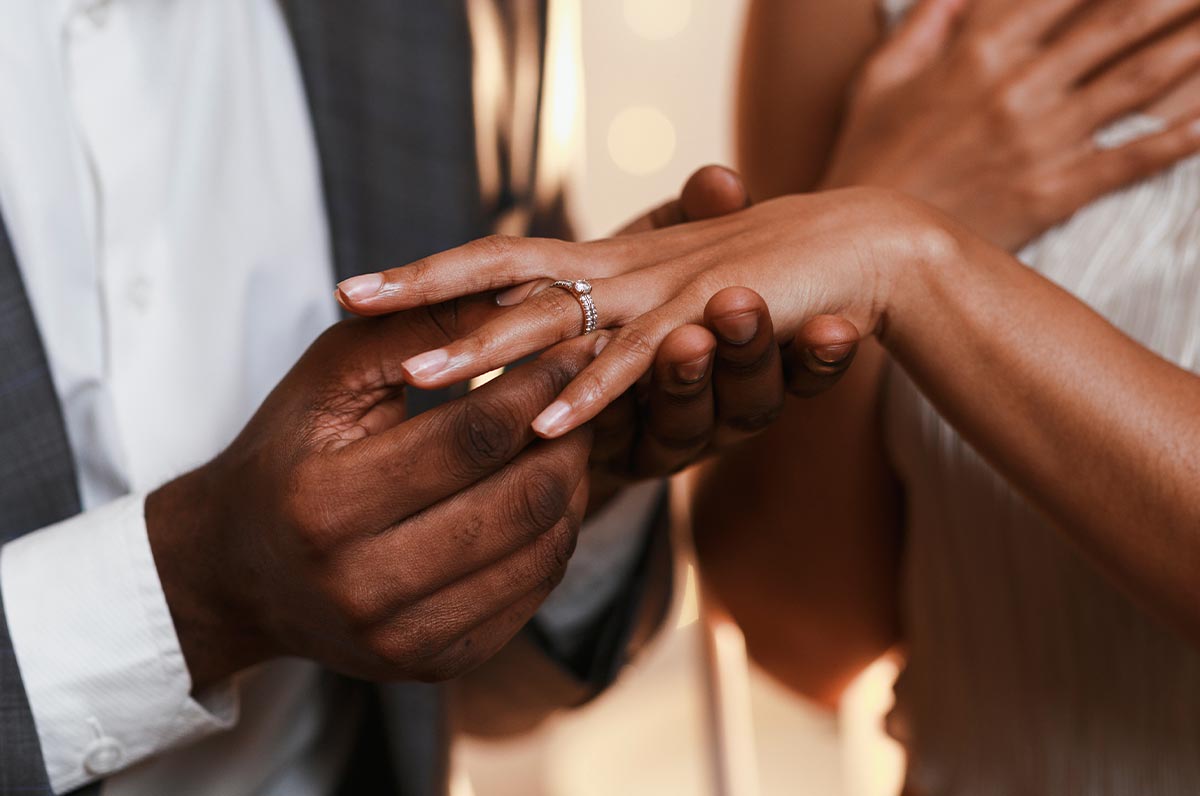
[642, 95]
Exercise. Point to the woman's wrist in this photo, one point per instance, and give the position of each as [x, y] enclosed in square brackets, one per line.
[913, 249]
[932, 287]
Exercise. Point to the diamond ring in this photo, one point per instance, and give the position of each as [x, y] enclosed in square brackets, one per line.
[581, 289]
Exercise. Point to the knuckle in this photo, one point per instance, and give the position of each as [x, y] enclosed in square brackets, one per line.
[1046, 197]
[543, 500]
[590, 386]
[982, 56]
[358, 605]
[558, 308]
[634, 343]
[496, 246]
[756, 420]
[408, 645]
[1009, 102]
[420, 278]
[390, 645]
[707, 284]
[483, 437]
[553, 551]
[313, 518]
[406, 587]
[454, 661]
[684, 441]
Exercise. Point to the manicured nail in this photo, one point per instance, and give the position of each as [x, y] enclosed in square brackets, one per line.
[361, 288]
[691, 372]
[514, 295]
[601, 344]
[427, 365]
[832, 354]
[737, 329]
[552, 422]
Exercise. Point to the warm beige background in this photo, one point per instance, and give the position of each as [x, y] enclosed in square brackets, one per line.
[657, 78]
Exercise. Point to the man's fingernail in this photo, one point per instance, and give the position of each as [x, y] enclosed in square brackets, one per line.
[737, 329]
[601, 344]
[691, 372]
[360, 288]
[552, 422]
[427, 365]
[514, 295]
[832, 354]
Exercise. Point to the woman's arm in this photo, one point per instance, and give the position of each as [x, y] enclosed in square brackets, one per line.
[1097, 431]
[798, 59]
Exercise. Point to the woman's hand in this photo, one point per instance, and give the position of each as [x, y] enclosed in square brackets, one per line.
[833, 254]
[988, 109]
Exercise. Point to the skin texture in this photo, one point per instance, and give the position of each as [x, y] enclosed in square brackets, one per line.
[988, 112]
[713, 382]
[322, 531]
[876, 259]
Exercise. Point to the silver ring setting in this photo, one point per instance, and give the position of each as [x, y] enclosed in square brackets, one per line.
[581, 289]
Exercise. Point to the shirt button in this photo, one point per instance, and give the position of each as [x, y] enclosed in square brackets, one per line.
[94, 11]
[103, 756]
[138, 292]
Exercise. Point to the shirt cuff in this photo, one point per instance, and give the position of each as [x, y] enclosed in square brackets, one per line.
[102, 666]
[609, 546]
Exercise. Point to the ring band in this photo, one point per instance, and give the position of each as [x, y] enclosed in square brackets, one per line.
[581, 289]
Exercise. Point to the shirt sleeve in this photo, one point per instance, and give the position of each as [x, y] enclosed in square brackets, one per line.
[609, 547]
[102, 666]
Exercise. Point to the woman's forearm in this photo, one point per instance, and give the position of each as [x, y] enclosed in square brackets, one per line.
[1097, 431]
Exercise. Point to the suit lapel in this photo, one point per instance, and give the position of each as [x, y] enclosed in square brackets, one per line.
[389, 87]
[37, 472]
[37, 488]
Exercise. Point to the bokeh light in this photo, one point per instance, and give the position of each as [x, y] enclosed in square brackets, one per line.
[641, 140]
[657, 19]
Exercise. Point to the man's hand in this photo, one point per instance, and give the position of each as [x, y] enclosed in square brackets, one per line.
[711, 384]
[336, 529]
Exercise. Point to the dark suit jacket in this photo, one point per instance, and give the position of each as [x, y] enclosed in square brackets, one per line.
[389, 85]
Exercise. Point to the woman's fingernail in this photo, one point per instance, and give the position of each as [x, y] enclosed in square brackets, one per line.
[514, 295]
[832, 354]
[691, 372]
[737, 329]
[601, 344]
[552, 422]
[360, 288]
[427, 365]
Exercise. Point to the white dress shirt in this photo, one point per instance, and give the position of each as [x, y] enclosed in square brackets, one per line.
[159, 181]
